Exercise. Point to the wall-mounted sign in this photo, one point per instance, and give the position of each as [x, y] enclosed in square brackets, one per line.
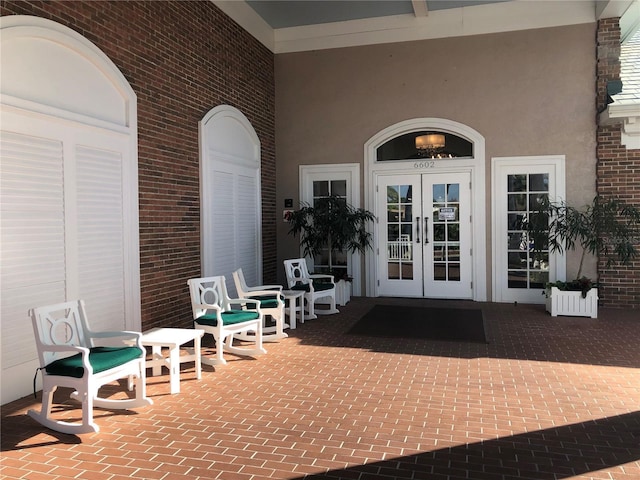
[447, 213]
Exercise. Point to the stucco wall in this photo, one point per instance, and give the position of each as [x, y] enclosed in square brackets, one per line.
[528, 92]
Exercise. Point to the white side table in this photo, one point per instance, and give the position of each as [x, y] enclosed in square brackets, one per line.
[295, 299]
[173, 339]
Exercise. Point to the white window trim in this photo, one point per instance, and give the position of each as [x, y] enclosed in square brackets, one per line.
[555, 164]
[336, 171]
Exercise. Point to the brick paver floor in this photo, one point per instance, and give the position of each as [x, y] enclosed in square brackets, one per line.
[546, 398]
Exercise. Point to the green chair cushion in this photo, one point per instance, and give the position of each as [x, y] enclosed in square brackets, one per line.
[321, 286]
[230, 317]
[301, 286]
[100, 358]
[270, 301]
[318, 286]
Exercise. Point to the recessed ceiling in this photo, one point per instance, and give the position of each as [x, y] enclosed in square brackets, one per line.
[296, 13]
[299, 25]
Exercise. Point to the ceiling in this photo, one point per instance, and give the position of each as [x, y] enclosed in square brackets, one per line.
[298, 25]
[284, 14]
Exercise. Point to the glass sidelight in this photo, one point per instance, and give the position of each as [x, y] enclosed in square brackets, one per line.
[527, 268]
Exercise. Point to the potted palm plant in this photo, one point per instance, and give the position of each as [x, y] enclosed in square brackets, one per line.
[607, 227]
[328, 229]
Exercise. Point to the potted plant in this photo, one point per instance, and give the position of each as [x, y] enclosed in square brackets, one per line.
[609, 228]
[331, 227]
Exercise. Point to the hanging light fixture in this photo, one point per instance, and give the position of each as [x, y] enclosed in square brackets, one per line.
[430, 144]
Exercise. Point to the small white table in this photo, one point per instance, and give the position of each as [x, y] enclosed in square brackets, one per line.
[292, 297]
[173, 339]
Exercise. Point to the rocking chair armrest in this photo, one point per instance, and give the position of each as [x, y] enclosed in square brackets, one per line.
[245, 302]
[264, 293]
[319, 276]
[264, 287]
[127, 337]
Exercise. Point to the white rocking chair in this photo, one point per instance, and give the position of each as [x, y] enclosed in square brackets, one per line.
[315, 286]
[71, 355]
[271, 303]
[223, 317]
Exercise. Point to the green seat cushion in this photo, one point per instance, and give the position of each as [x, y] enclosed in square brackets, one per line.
[321, 286]
[301, 286]
[270, 301]
[229, 317]
[100, 358]
[318, 286]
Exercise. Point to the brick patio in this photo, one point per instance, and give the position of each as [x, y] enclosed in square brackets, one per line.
[547, 398]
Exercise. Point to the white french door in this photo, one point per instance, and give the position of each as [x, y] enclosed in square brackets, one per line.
[424, 235]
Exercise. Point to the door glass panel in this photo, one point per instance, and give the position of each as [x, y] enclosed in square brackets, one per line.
[439, 271]
[399, 232]
[527, 267]
[323, 189]
[339, 188]
[446, 231]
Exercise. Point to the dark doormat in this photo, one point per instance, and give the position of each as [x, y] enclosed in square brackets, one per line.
[456, 324]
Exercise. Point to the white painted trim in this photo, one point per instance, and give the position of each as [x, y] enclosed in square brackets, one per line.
[555, 164]
[336, 171]
[628, 115]
[475, 166]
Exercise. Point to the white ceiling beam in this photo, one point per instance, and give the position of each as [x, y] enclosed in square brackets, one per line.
[420, 8]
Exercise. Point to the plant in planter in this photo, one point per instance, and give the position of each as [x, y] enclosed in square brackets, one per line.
[331, 227]
[609, 228]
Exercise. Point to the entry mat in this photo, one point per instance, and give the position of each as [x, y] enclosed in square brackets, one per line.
[453, 324]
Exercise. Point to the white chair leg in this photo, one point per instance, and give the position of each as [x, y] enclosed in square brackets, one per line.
[310, 309]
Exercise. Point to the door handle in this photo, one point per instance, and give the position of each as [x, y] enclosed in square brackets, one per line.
[426, 229]
[417, 229]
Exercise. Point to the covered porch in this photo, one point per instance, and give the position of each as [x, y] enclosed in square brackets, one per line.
[546, 398]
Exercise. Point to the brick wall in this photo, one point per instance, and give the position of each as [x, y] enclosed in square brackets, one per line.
[618, 171]
[182, 59]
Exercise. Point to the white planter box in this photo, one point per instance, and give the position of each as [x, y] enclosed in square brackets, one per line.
[343, 292]
[572, 304]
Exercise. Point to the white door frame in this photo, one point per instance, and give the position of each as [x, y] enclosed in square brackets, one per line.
[475, 166]
[336, 171]
[500, 167]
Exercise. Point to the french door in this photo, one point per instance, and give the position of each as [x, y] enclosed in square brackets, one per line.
[424, 235]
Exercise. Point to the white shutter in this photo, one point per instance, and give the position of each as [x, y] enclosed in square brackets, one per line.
[33, 269]
[230, 196]
[100, 237]
[247, 228]
[223, 235]
[69, 195]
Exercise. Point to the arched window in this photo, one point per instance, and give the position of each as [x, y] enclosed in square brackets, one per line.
[425, 144]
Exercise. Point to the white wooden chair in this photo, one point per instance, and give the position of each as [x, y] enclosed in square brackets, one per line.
[271, 303]
[223, 317]
[315, 286]
[73, 356]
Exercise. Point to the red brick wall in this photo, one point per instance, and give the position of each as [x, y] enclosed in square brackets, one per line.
[618, 172]
[182, 59]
